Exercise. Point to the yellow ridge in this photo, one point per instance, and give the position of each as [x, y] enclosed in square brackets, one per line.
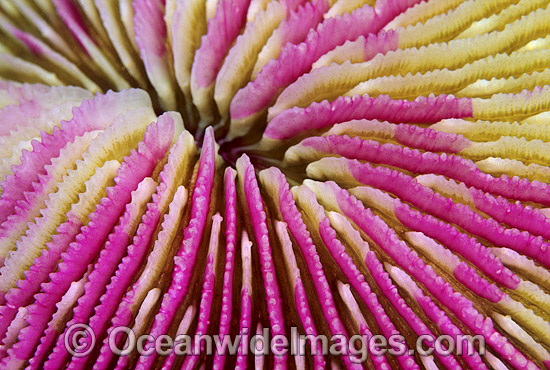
[512, 167]
[445, 81]
[113, 144]
[491, 131]
[534, 151]
[422, 12]
[335, 80]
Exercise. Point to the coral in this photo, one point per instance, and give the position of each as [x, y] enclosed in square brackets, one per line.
[327, 171]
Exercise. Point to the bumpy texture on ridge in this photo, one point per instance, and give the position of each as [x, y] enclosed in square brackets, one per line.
[221, 168]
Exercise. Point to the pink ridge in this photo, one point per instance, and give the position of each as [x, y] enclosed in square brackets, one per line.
[68, 12]
[452, 166]
[34, 44]
[300, 296]
[93, 114]
[207, 296]
[150, 27]
[513, 214]
[408, 189]
[297, 59]
[15, 327]
[381, 42]
[300, 21]
[230, 244]
[292, 5]
[80, 253]
[462, 307]
[468, 247]
[390, 291]
[465, 274]
[106, 265]
[444, 208]
[430, 139]
[357, 280]
[294, 121]
[101, 284]
[299, 231]
[123, 315]
[38, 273]
[447, 327]
[186, 256]
[259, 225]
[47, 339]
[183, 327]
[472, 280]
[222, 31]
[109, 257]
[151, 38]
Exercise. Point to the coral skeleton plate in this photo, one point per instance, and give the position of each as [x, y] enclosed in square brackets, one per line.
[274, 184]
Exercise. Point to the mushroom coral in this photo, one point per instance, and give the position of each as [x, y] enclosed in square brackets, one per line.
[336, 168]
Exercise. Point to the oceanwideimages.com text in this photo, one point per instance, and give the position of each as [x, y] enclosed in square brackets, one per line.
[80, 341]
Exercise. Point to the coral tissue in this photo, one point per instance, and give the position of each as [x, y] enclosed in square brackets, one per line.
[227, 168]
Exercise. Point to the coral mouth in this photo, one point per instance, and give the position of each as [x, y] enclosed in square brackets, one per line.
[328, 168]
